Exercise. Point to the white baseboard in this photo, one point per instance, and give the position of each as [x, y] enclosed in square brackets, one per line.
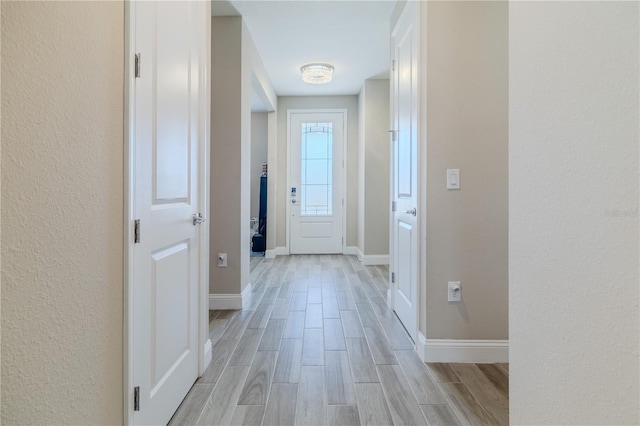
[421, 346]
[375, 259]
[282, 251]
[359, 254]
[466, 351]
[352, 251]
[208, 353]
[367, 259]
[230, 301]
[278, 251]
[246, 296]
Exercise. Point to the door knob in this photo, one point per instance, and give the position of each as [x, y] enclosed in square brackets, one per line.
[293, 201]
[198, 218]
[412, 212]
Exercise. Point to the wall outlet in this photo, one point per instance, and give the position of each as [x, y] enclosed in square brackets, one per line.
[222, 260]
[454, 291]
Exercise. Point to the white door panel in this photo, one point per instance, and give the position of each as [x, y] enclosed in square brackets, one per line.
[316, 182]
[169, 38]
[405, 244]
[171, 294]
[405, 171]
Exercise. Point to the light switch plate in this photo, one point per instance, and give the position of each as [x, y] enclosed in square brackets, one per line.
[453, 178]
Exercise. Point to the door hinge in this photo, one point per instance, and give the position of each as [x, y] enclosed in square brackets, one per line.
[136, 398]
[393, 278]
[137, 66]
[393, 65]
[393, 206]
[136, 231]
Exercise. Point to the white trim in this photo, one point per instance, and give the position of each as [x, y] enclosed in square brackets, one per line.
[467, 351]
[225, 301]
[246, 296]
[230, 301]
[352, 251]
[208, 352]
[345, 143]
[129, 133]
[421, 346]
[367, 259]
[375, 259]
[272, 178]
[278, 251]
[423, 142]
[204, 187]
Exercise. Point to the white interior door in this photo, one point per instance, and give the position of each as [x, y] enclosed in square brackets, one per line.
[166, 141]
[405, 168]
[316, 174]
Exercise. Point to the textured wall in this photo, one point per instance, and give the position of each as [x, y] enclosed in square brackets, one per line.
[62, 212]
[374, 168]
[279, 171]
[573, 201]
[467, 114]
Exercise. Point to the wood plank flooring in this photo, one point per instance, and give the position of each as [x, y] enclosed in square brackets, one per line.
[319, 346]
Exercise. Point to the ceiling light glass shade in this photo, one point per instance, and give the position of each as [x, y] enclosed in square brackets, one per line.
[317, 73]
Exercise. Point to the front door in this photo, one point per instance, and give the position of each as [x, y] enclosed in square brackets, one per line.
[316, 174]
[405, 168]
[166, 147]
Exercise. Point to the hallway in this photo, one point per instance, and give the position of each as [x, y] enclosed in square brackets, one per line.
[318, 345]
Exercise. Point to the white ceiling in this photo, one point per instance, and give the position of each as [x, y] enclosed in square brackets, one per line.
[353, 36]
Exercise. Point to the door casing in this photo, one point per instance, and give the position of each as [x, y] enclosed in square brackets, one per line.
[343, 176]
[204, 355]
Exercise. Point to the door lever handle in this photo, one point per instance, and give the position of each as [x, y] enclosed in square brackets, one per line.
[198, 218]
[412, 212]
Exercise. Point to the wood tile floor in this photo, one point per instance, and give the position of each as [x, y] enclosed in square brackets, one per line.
[319, 346]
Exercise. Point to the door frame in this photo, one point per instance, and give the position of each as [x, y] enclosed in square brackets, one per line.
[343, 176]
[418, 16]
[204, 355]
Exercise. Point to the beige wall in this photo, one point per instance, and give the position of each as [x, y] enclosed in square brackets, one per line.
[235, 63]
[259, 131]
[62, 212]
[373, 206]
[573, 204]
[279, 170]
[229, 195]
[467, 115]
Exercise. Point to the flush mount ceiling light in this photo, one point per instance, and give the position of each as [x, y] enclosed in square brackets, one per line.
[317, 73]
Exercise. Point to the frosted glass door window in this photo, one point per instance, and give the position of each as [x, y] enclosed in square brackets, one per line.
[316, 169]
